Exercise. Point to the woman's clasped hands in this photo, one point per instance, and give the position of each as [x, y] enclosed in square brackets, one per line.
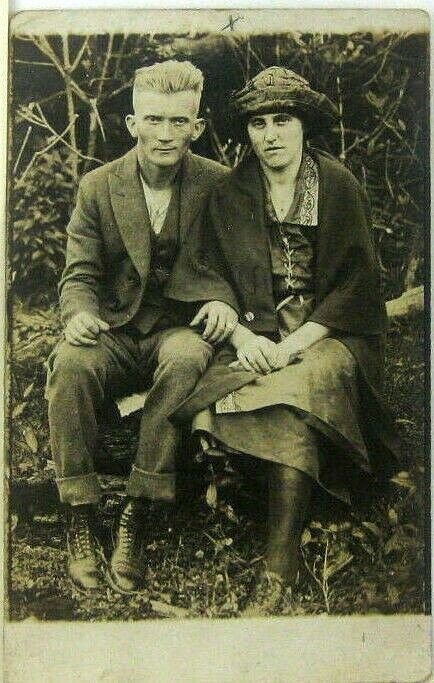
[256, 353]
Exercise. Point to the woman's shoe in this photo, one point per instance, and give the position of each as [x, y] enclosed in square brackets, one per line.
[266, 596]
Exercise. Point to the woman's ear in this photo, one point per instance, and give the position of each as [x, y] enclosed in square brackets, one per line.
[199, 127]
[130, 122]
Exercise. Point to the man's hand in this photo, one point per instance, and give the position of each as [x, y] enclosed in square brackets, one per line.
[83, 329]
[221, 321]
[256, 354]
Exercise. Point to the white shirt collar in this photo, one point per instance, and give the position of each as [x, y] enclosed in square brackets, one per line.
[157, 202]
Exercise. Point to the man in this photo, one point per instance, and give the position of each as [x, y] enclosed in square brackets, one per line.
[130, 240]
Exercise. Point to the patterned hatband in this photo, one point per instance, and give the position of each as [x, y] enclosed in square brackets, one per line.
[280, 89]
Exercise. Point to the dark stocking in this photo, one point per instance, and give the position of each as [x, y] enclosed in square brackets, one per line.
[289, 498]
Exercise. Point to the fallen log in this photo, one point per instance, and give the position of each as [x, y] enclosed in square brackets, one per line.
[411, 301]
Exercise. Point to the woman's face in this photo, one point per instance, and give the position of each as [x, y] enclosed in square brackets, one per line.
[277, 139]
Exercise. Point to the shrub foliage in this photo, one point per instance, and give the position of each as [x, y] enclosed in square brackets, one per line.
[41, 205]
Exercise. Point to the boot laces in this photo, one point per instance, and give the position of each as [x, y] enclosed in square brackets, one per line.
[80, 537]
[128, 536]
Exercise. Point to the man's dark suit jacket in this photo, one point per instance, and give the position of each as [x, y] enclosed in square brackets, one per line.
[108, 248]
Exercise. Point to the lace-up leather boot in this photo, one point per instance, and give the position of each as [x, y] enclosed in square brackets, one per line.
[125, 572]
[84, 551]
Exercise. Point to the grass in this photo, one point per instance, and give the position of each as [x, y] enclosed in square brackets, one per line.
[201, 557]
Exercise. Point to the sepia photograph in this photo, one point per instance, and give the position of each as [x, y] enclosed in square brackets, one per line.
[218, 232]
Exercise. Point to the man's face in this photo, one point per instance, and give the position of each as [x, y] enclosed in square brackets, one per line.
[164, 124]
[277, 139]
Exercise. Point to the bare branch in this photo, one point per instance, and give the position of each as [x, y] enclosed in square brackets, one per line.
[386, 170]
[236, 50]
[42, 43]
[256, 56]
[342, 154]
[387, 51]
[218, 147]
[80, 54]
[23, 61]
[384, 122]
[108, 96]
[49, 98]
[70, 100]
[325, 585]
[108, 55]
[25, 38]
[24, 143]
[80, 154]
[43, 151]
[98, 118]
[120, 56]
[42, 115]
[43, 123]
[402, 141]
[79, 92]
[26, 114]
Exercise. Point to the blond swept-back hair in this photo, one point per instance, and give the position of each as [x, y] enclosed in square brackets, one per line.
[169, 77]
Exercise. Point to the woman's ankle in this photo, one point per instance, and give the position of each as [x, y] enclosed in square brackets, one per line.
[284, 561]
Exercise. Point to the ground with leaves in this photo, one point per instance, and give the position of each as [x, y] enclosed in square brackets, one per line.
[202, 560]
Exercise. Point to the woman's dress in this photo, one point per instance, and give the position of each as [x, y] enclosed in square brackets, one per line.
[306, 415]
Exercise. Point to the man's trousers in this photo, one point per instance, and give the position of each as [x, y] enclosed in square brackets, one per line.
[82, 378]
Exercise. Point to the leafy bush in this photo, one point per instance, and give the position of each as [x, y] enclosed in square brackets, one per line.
[40, 203]
[33, 337]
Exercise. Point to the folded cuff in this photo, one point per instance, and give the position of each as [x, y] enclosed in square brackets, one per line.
[142, 484]
[80, 490]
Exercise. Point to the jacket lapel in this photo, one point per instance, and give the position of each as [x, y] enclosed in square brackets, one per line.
[243, 228]
[129, 208]
[193, 193]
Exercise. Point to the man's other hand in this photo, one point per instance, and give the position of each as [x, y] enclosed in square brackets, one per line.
[83, 329]
[221, 320]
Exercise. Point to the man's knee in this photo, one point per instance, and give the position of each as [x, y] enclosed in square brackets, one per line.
[185, 351]
[72, 364]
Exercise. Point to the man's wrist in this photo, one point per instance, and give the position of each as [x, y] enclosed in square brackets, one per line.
[240, 335]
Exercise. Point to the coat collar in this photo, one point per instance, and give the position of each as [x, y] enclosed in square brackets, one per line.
[247, 175]
[246, 178]
[130, 210]
[129, 207]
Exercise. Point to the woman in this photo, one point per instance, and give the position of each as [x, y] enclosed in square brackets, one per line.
[289, 230]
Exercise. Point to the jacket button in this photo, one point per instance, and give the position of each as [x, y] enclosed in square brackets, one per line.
[249, 316]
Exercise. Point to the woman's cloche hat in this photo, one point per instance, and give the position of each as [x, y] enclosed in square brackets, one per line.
[279, 89]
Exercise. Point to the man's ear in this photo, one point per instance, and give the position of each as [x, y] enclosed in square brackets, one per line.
[199, 127]
[131, 125]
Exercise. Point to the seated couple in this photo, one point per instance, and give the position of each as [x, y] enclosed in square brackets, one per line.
[247, 301]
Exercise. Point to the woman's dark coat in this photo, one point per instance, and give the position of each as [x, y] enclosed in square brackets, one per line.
[347, 280]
